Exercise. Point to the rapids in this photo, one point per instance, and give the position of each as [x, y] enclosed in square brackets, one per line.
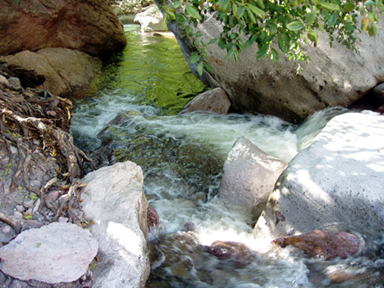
[134, 117]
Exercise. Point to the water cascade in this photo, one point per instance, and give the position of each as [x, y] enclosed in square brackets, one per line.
[134, 117]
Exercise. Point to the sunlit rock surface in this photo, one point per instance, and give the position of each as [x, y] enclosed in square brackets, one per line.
[249, 176]
[292, 90]
[115, 201]
[66, 72]
[58, 252]
[337, 179]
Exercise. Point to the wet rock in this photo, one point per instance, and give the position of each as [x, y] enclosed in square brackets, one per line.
[59, 252]
[215, 100]
[378, 93]
[233, 251]
[249, 176]
[323, 243]
[115, 201]
[152, 217]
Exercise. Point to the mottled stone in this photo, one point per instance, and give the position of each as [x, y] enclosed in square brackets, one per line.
[323, 243]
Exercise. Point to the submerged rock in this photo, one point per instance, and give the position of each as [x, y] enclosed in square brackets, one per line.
[232, 251]
[58, 252]
[323, 243]
[152, 217]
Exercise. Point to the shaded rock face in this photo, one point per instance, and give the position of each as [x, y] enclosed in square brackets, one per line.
[62, 71]
[215, 100]
[114, 199]
[89, 26]
[58, 252]
[249, 176]
[334, 77]
[337, 179]
[323, 243]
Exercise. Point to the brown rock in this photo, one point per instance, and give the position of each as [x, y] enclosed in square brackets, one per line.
[234, 251]
[152, 217]
[89, 26]
[323, 243]
[66, 72]
[215, 100]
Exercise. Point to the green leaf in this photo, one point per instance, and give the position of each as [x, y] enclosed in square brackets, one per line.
[229, 54]
[212, 41]
[9, 165]
[348, 7]
[38, 245]
[372, 31]
[250, 41]
[369, 3]
[240, 11]
[170, 14]
[312, 35]
[232, 21]
[273, 29]
[283, 45]
[256, 10]
[332, 20]
[251, 16]
[194, 57]
[191, 10]
[236, 55]
[262, 52]
[208, 67]
[5, 173]
[329, 6]
[33, 196]
[200, 68]
[295, 26]
[275, 55]
[310, 18]
[224, 4]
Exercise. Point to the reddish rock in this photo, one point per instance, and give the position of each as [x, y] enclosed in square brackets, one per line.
[152, 217]
[215, 100]
[89, 26]
[234, 251]
[323, 243]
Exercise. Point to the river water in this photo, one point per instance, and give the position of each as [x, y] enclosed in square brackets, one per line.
[134, 117]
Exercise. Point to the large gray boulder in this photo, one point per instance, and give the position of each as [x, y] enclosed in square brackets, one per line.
[55, 253]
[334, 76]
[115, 201]
[337, 179]
[249, 176]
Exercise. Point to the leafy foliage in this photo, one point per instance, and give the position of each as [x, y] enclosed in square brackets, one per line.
[260, 22]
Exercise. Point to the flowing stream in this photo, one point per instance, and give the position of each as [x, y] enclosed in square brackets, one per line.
[134, 117]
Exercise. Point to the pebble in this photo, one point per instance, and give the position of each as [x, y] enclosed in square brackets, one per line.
[19, 208]
[17, 215]
[36, 206]
[3, 81]
[14, 83]
[13, 149]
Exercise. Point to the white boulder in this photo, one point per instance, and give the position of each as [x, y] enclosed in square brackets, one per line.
[249, 176]
[55, 253]
[115, 201]
[337, 179]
